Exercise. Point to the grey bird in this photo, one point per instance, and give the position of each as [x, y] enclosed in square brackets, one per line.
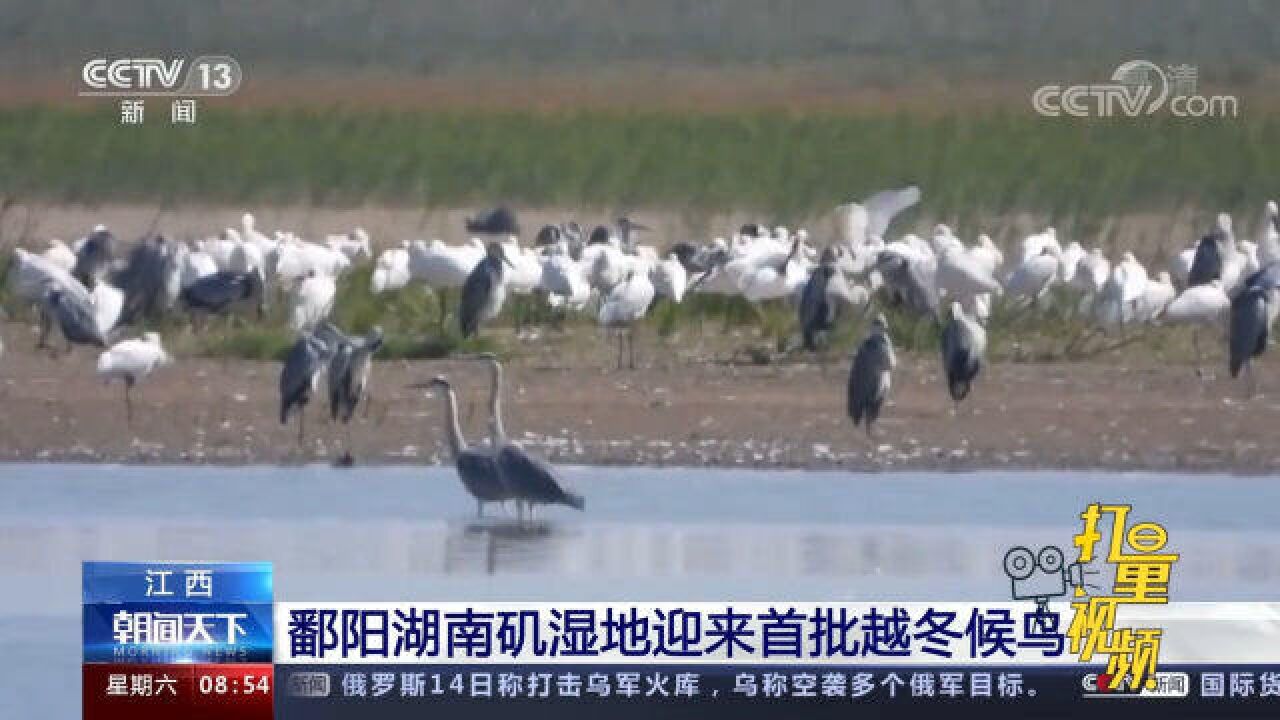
[349, 373]
[869, 378]
[531, 480]
[219, 293]
[964, 343]
[908, 283]
[483, 292]
[142, 279]
[300, 374]
[477, 467]
[498, 221]
[349, 366]
[93, 258]
[818, 309]
[1250, 316]
[75, 318]
[1206, 264]
[626, 228]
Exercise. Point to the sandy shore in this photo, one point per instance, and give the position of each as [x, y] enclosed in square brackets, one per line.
[677, 409]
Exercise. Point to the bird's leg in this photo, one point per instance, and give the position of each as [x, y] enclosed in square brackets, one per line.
[479, 508]
[1253, 383]
[128, 402]
[1195, 345]
[45, 324]
[620, 339]
[631, 344]
[368, 401]
[302, 424]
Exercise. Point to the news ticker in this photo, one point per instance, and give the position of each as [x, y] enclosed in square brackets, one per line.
[167, 640]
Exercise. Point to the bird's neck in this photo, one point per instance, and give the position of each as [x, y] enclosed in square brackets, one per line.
[496, 432]
[456, 442]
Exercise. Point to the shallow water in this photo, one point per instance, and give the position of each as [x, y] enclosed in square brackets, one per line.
[399, 533]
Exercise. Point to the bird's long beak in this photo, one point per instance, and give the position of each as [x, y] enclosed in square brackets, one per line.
[641, 226]
[694, 285]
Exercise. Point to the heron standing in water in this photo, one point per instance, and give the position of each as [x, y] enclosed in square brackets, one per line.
[477, 467]
[532, 480]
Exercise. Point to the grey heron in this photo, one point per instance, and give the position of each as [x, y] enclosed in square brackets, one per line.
[627, 226]
[220, 292]
[532, 480]
[1206, 265]
[478, 467]
[483, 292]
[75, 317]
[308, 357]
[869, 378]
[349, 367]
[599, 236]
[964, 343]
[143, 278]
[909, 282]
[817, 309]
[497, 221]
[93, 258]
[547, 236]
[1249, 329]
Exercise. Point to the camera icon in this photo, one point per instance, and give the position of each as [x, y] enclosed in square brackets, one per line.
[1041, 576]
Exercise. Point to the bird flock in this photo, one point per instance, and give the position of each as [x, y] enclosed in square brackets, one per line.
[95, 291]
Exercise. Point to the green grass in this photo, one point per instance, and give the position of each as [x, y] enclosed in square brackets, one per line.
[783, 164]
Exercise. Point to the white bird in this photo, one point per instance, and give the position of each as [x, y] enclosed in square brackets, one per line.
[1034, 276]
[943, 240]
[669, 278]
[195, 265]
[1072, 254]
[30, 275]
[1159, 293]
[297, 259]
[312, 301]
[1127, 286]
[986, 252]
[108, 301]
[354, 245]
[858, 224]
[440, 266]
[391, 270]
[524, 269]
[1269, 235]
[132, 361]
[58, 253]
[563, 279]
[251, 234]
[963, 276]
[1199, 305]
[625, 305]
[1036, 243]
[768, 278]
[605, 265]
